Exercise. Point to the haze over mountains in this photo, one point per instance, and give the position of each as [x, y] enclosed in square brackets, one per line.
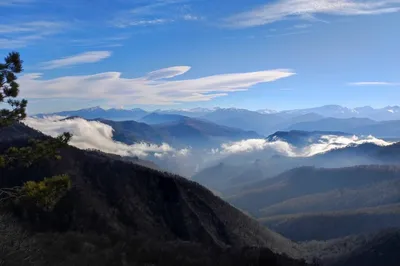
[326, 178]
[174, 212]
[337, 111]
[164, 210]
[362, 120]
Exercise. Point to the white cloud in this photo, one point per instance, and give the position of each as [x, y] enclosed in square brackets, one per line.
[96, 135]
[331, 142]
[251, 145]
[326, 143]
[152, 88]
[19, 35]
[373, 83]
[166, 73]
[83, 58]
[183, 152]
[307, 9]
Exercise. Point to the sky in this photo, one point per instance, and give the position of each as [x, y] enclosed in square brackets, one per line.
[172, 54]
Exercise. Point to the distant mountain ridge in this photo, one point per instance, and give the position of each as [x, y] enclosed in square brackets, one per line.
[336, 111]
[265, 122]
[176, 130]
[98, 112]
[333, 124]
[358, 126]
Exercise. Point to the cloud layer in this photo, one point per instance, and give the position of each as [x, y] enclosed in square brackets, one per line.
[307, 9]
[153, 88]
[96, 135]
[83, 58]
[326, 143]
[252, 145]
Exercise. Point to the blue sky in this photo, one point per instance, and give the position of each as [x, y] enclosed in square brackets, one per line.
[254, 54]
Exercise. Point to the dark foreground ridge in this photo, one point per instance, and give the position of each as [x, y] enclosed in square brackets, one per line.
[121, 213]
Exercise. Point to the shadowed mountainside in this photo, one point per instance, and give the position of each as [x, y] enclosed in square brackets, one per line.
[336, 224]
[373, 249]
[115, 199]
[304, 188]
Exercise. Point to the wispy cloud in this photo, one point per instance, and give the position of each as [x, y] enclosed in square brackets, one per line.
[31, 27]
[191, 17]
[307, 9]
[15, 2]
[83, 58]
[144, 15]
[153, 88]
[142, 22]
[18, 35]
[302, 26]
[155, 13]
[374, 83]
[101, 42]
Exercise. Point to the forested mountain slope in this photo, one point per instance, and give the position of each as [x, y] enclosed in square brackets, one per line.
[115, 200]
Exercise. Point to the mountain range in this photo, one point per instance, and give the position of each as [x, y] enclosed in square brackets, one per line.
[114, 205]
[119, 212]
[363, 120]
[310, 183]
[234, 171]
[179, 131]
[309, 204]
[359, 126]
[98, 112]
[336, 111]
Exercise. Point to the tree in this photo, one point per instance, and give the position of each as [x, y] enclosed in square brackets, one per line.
[43, 194]
[9, 90]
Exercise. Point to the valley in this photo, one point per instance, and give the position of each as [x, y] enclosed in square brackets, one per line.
[314, 187]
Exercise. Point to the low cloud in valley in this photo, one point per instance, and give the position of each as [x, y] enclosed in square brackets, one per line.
[96, 135]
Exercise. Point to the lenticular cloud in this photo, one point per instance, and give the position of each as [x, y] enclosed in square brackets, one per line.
[96, 135]
[324, 144]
